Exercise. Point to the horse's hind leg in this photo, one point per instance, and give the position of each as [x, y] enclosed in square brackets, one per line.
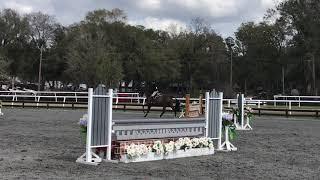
[163, 110]
[149, 107]
[174, 110]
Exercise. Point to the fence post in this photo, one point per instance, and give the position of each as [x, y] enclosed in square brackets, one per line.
[187, 104]
[117, 100]
[290, 107]
[229, 103]
[259, 104]
[201, 105]
[110, 124]
[275, 102]
[64, 100]
[38, 100]
[299, 102]
[89, 126]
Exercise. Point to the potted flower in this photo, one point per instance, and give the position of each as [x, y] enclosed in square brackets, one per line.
[136, 153]
[186, 147]
[248, 113]
[228, 125]
[229, 129]
[201, 146]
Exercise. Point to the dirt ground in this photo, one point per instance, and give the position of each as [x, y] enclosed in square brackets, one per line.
[44, 144]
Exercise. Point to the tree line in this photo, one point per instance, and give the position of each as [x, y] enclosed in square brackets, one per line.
[278, 54]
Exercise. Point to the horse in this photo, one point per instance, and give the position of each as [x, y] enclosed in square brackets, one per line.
[163, 101]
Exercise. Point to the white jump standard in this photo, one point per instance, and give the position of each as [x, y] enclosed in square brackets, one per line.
[244, 120]
[227, 145]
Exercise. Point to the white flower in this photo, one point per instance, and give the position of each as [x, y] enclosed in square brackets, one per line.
[157, 147]
[178, 144]
[131, 150]
[195, 142]
[134, 150]
[169, 147]
[205, 144]
[144, 149]
[187, 142]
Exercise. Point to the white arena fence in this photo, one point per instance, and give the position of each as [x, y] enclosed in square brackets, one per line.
[63, 97]
[298, 99]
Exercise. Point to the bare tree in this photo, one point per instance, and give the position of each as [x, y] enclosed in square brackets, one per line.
[42, 27]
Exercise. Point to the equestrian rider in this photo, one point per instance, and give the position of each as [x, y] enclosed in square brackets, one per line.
[155, 93]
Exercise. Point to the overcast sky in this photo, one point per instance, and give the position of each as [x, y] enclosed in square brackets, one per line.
[225, 16]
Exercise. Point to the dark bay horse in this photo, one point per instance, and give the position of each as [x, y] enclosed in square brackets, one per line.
[164, 101]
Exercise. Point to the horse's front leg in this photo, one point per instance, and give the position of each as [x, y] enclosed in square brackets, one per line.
[149, 107]
[163, 110]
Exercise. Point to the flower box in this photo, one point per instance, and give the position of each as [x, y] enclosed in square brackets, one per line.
[148, 157]
[189, 153]
[183, 147]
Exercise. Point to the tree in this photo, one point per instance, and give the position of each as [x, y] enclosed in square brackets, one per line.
[42, 27]
[13, 39]
[101, 16]
[56, 62]
[92, 57]
[261, 55]
[201, 53]
[302, 22]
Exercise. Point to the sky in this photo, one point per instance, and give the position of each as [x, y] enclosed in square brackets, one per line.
[225, 16]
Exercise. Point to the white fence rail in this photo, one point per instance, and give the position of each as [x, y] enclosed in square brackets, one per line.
[297, 98]
[55, 95]
[37, 96]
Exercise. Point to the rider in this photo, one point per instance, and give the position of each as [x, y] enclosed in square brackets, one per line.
[155, 93]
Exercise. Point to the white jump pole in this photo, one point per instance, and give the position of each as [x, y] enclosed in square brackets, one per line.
[242, 111]
[207, 112]
[89, 126]
[220, 120]
[110, 93]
